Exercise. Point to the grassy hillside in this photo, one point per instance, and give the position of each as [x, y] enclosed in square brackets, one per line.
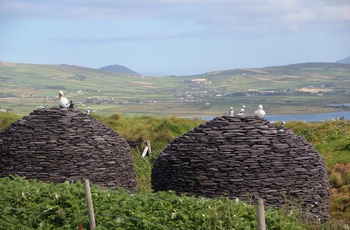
[292, 89]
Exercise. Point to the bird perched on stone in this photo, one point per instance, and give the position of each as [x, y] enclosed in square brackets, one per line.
[260, 112]
[88, 110]
[63, 102]
[241, 112]
[231, 112]
[71, 105]
[281, 127]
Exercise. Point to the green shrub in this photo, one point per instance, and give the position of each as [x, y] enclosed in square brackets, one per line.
[37, 205]
[7, 118]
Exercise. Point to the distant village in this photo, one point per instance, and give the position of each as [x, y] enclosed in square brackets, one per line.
[201, 90]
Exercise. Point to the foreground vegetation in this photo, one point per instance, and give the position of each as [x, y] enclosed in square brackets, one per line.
[36, 205]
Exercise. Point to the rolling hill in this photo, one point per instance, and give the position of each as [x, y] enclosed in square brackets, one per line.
[117, 69]
[292, 89]
[344, 60]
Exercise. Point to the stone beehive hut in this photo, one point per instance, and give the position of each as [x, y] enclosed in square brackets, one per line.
[55, 145]
[244, 157]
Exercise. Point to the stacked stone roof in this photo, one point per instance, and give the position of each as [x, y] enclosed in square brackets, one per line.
[56, 145]
[245, 157]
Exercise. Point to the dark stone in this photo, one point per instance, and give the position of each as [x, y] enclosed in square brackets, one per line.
[243, 157]
[55, 145]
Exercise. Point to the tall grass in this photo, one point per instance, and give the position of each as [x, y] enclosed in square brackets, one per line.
[36, 205]
[160, 131]
[330, 138]
[7, 118]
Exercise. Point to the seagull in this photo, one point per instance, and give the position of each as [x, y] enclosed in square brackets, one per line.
[241, 112]
[260, 112]
[63, 102]
[231, 112]
[88, 110]
[281, 127]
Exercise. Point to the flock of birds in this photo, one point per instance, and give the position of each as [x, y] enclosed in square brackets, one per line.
[259, 112]
[64, 104]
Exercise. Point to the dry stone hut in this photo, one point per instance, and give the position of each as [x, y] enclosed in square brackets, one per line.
[55, 145]
[245, 157]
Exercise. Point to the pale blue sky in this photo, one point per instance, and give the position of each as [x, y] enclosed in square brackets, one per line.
[178, 37]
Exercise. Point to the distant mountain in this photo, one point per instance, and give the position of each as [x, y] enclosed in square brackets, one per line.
[344, 61]
[278, 70]
[117, 69]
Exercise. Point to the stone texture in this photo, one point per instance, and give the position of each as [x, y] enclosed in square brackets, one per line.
[245, 157]
[55, 145]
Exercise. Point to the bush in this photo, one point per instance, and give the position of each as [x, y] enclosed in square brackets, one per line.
[7, 118]
[37, 205]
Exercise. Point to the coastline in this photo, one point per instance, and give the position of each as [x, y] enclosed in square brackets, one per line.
[316, 117]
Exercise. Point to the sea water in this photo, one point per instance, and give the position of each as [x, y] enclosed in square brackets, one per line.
[316, 117]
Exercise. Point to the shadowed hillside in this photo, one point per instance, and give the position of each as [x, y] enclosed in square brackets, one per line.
[117, 69]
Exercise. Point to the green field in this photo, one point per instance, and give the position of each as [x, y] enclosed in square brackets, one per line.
[292, 89]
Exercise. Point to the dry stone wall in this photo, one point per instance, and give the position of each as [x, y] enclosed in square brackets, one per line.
[55, 145]
[245, 157]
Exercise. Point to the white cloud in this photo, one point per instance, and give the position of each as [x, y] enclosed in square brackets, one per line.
[227, 17]
[337, 13]
[113, 39]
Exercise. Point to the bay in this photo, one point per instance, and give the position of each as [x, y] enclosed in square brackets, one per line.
[316, 117]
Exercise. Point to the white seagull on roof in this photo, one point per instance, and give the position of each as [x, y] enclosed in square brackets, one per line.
[260, 112]
[63, 102]
[231, 112]
[241, 112]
